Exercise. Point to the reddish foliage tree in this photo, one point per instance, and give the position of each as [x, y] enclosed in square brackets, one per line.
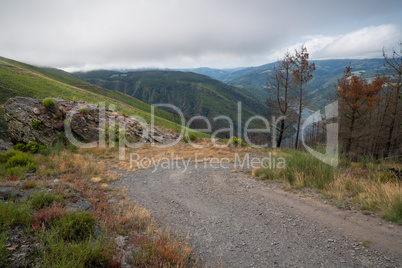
[356, 98]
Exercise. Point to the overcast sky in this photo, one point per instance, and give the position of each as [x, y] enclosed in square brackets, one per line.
[84, 35]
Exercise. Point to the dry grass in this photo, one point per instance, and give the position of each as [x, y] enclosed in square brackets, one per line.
[204, 151]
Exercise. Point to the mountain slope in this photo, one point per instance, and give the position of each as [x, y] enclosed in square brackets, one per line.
[193, 93]
[19, 79]
[321, 87]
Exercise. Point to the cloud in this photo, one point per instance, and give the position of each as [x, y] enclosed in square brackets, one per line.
[367, 42]
[188, 33]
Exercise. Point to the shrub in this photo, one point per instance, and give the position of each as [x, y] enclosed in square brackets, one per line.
[43, 199]
[48, 102]
[87, 253]
[34, 147]
[14, 214]
[234, 141]
[29, 185]
[189, 136]
[20, 147]
[75, 226]
[35, 123]
[16, 173]
[7, 155]
[31, 147]
[46, 217]
[160, 252]
[19, 159]
[82, 110]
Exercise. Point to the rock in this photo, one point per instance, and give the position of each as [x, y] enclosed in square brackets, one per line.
[112, 201]
[81, 205]
[5, 145]
[97, 232]
[121, 241]
[56, 180]
[6, 192]
[22, 112]
[36, 111]
[19, 116]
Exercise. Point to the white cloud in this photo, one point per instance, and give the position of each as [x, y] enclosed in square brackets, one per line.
[189, 33]
[367, 42]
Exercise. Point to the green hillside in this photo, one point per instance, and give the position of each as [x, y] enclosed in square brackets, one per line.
[19, 79]
[193, 93]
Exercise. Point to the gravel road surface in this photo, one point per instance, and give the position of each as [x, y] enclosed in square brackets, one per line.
[233, 220]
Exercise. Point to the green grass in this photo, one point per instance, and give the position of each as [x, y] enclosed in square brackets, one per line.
[393, 211]
[4, 253]
[43, 199]
[301, 170]
[75, 226]
[12, 213]
[76, 254]
[17, 163]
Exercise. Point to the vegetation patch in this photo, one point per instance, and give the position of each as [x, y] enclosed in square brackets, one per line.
[48, 103]
[36, 123]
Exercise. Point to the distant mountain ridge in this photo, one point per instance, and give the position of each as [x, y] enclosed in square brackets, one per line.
[194, 94]
[326, 74]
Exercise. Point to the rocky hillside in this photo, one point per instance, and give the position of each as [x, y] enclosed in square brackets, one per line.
[42, 121]
[20, 79]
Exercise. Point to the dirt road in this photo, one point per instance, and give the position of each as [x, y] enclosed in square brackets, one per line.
[236, 221]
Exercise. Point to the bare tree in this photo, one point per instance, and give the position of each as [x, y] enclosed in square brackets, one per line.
[302, 74]
[393, 66]
[279, 84]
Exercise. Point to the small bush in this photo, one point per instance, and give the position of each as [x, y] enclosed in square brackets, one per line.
[19, 159]
[83, 110]
[189, 136]
[46, 217]
[18, 172]
[14, 214]
[234, 141]
[36, 123]
[160, 252]
[48, 102]
[43, 199]
[87, 253]
[34, 147]
[20, 147]
[7, 155]
[75, 226]
[29, 185]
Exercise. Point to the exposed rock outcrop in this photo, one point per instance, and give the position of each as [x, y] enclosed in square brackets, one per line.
[28, 120]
